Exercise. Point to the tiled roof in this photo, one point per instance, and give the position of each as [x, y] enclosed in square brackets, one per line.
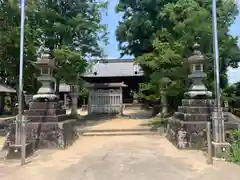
[6, 89]
[114, 68]
[104, 85]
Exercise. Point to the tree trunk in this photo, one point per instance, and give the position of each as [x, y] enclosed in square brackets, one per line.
[2, 103]
[24, 104]
[57, 83]
[155, 108]
[164, 110]
[74, 97]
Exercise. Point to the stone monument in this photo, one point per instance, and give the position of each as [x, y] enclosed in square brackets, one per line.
[196, 64]
[48, 125]
[187, 127]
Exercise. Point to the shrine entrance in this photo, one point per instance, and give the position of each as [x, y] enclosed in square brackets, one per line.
[105, 98]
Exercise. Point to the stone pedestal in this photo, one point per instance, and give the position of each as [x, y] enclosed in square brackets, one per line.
[48, 125]
[52, 134]
[46, 111]
[187, 127]
[191, 135]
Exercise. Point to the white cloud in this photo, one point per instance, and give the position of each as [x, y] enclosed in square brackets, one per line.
[238, 3]
[233, 75]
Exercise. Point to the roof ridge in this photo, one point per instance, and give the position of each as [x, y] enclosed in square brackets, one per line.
[112, 60]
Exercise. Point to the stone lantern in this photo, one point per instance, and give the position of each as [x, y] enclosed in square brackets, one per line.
[196, 65]
[46, 65]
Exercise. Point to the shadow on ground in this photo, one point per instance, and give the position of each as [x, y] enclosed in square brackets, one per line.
[140, 114]
[94, 119]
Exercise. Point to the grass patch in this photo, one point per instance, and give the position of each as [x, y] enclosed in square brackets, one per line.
[158, 122]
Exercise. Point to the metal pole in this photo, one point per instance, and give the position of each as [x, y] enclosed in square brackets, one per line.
[20, 91]
[209, 144]
[218, 120]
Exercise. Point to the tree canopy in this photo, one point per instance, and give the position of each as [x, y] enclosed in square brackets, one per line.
[71, 30]
[160, 35]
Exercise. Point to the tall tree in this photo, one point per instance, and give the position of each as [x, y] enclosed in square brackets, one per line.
[70, 29]
[160, 35]
[10, 41]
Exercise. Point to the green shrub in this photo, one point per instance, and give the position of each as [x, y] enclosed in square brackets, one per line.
[234, 140]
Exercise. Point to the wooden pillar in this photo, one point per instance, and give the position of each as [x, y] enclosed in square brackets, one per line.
[89, 100]
[1, 104]
[74, 96]
[121, 101]
[65, 100]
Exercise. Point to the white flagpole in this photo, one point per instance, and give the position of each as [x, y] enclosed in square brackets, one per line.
[217, 119]
[20, 91]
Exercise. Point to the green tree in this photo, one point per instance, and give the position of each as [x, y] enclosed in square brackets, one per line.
[70, 29]
[10, 41]
[160, 34]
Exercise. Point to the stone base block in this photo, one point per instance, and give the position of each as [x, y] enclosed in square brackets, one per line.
[190, 135]
[52, 134]
[44, 119]
[14, 151]
[44, 105]
[44, 112]
[46, 135]
[221, 150]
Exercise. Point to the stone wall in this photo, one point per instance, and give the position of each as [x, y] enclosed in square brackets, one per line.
[45, 135]
[193, 135]
[52, 134]
[187, 134]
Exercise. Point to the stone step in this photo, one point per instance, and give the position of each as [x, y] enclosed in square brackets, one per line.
[133, 133]
[148, 129]
[195, 109]
[54, 118]
[133, 106]
[47, 105]
[194, 117]
[197, 102]
[45, 112]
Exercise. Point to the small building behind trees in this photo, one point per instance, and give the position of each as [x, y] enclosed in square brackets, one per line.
[7, 96]
[111, 83]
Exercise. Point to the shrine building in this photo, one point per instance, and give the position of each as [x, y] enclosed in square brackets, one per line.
[111, 84]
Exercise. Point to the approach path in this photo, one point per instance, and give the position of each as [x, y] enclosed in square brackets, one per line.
[146, 157]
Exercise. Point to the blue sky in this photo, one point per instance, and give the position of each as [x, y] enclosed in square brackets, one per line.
[112, 51]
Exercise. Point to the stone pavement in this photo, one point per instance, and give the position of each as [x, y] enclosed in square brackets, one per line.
[119, 158]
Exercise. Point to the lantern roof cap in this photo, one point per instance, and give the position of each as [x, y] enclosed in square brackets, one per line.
[197, 56]
[45, 61]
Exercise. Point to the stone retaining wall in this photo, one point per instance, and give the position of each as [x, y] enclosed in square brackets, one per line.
[193, 135]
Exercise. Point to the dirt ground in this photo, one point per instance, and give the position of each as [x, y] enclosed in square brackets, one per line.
[142, 157]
